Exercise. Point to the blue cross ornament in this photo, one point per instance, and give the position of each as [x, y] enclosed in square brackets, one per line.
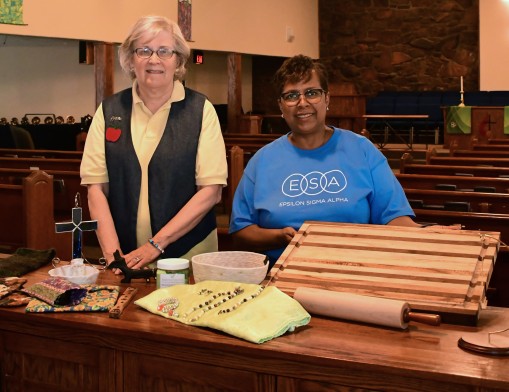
[76, 226]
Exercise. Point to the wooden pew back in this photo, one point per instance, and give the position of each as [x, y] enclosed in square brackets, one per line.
[480, 153]
[469, 220]
[432, 158]
[235, 158]
[498, 141]
[490, 147]
[40, 163]
[66, 184]
[480, 184]
[459, 201]
[26, 153]
[445, 170]
[26, 213]
[468, 161]
[250, 143]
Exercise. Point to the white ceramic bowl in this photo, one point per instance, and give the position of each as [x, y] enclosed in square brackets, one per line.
[232, 266]
[76, 272]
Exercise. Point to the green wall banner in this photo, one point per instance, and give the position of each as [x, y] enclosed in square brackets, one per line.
[11, 12]
[459, 120]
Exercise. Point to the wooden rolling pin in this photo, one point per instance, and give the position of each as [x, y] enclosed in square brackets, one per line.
[373, 310]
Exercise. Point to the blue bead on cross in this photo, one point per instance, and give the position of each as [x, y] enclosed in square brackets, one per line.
[76, 226]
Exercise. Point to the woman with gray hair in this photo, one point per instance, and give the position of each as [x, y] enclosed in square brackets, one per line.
[154, 161]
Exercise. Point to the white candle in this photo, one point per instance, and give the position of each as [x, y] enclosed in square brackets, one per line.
[461, 78]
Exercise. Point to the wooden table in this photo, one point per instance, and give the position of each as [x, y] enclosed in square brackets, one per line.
[144, 352]
[388, 127]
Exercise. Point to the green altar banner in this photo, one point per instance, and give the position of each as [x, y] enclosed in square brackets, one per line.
[506, 120]
[11, 12]
[459, 120]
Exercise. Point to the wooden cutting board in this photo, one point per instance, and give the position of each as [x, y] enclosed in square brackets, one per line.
[437, 271]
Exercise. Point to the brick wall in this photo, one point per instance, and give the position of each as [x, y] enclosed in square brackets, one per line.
[392, 45]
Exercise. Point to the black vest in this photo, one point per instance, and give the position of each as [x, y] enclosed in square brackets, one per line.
[171, 171]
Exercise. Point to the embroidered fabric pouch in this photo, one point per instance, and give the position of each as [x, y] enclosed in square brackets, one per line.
[98, 298]
[57, 291]
[267, 315]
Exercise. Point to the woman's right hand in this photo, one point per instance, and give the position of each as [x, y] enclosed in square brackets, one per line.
[287, 234]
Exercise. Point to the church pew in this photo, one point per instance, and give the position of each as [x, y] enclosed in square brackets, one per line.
[490, 147]
[458, 183]
[65, 186]
[250, 143]
[250, 147]
[468, 220]
[467, 161]
[28, 153]
[480, 154]
[433, 158]
[453, 200]
[235, 162]
[40, 163]
[408, 167]
[26, 213]
[235, 159]
[498, 141]
[267, 137]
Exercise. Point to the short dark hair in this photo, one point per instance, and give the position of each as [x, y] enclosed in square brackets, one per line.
[299, 68]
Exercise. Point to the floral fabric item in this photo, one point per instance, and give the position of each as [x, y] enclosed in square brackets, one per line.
[247, 311]
[57, 291]
[98, 298]
[10, 294]
[9, 285]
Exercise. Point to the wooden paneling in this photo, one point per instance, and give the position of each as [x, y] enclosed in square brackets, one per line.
[346, 107]
[41, 364]
[143, 351]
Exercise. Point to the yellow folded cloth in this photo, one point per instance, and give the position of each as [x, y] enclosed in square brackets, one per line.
[248, 311]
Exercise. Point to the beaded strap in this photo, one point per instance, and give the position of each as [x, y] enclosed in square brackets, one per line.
[155, 245]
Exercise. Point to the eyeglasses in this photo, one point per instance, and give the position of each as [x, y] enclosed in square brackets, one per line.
[312, 95]
[146, 53]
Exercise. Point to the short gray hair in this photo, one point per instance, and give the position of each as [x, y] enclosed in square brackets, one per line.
[153, 25]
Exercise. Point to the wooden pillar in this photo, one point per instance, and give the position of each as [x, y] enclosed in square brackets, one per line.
[104, 71]
[234, 91]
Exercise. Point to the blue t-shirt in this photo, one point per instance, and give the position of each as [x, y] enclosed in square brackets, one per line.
[345, 180]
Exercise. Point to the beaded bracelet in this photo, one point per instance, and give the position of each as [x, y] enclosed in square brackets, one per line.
[156, 245]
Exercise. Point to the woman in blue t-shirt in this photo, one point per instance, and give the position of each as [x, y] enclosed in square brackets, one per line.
[315, 172]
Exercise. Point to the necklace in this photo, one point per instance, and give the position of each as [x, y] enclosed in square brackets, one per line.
[209, 304]
[215, 300]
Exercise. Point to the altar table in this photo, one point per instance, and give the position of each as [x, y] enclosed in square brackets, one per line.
[144, 352]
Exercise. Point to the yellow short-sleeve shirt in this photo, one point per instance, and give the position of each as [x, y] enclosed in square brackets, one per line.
[147, 129]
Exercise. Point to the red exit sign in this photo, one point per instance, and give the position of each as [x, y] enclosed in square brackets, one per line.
[198, 57]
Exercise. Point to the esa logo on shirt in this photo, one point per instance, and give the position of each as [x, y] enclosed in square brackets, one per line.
[314, 183]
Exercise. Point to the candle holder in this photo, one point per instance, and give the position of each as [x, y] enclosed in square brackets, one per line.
[462, 101]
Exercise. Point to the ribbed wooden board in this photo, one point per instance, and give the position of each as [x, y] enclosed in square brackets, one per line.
[439, 271]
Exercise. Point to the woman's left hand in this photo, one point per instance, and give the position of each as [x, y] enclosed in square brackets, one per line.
[141, 257]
